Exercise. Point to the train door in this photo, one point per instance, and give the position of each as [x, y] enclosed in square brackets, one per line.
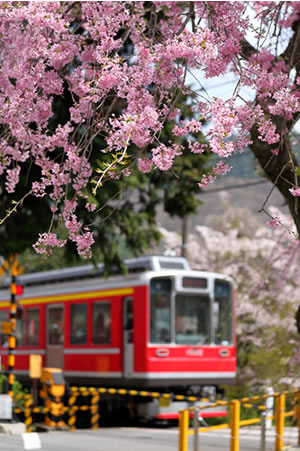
[55, 336]
[128, 345]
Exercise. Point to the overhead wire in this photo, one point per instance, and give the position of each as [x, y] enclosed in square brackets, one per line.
[235, 186]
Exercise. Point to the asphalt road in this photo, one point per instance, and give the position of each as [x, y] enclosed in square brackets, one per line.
[144, 439]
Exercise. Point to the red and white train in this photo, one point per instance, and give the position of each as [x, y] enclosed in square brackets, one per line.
[162, 326]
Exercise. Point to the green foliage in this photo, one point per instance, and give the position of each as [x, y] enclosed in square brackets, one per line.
[20, 230]
[2, 381]
[236, 391]
[17, 389]
[213, 421]
[269, 363]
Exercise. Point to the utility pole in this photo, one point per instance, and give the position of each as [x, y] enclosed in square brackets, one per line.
[12, 335]
[184, 235]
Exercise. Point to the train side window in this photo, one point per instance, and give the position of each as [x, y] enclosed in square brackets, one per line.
[79, 319]
[4, 317]
[101, 322]
[128, 323]
[222, 313]
[33, 327]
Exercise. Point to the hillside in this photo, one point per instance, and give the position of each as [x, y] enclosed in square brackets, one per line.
[236, 193]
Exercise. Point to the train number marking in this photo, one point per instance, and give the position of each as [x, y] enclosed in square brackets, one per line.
[162, 352]
[194, 352]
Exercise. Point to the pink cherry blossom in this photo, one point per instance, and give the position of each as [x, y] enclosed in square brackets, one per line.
[275, 223]
[50, 48]
[295, 192]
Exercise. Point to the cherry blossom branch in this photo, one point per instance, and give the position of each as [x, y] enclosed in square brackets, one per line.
[16, 204]
[112, 165]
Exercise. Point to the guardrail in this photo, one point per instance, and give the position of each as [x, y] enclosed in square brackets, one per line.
[87, 399]
[82, 399]
[235, 422]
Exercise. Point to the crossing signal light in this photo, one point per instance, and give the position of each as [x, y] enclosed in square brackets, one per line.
[19, 290]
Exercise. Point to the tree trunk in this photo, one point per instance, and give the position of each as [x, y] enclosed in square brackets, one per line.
[280, 170]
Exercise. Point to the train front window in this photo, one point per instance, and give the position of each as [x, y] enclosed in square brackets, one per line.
[222, 313]
[192, 319]
[160, 311]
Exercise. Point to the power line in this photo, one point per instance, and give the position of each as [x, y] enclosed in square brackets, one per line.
[229, 187]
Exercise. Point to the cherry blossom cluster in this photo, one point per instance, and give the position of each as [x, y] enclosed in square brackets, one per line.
[126, 96]
[220, 169]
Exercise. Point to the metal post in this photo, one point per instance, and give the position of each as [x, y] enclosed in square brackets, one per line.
[95, 409]
[72, 408]
[28, 412]
[263, 431]
[235, 425]
[279, 415]
[196, 427]
[183, 430]
[35, 392]
[269, 406]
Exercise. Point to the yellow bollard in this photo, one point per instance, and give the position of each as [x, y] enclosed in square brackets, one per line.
[279, 418]
[298, 415]
[235, 407]
[183, 430]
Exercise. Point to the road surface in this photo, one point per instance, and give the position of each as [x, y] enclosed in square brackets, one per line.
[144, 439]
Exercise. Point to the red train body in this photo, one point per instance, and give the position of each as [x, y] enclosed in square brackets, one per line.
[162, 326]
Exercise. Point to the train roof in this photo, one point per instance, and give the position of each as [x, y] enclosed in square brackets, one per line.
[134, 265]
